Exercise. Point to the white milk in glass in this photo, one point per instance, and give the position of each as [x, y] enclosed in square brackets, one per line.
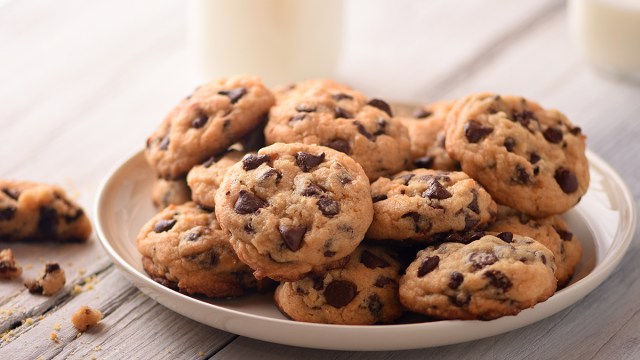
[280, 40]
[608, 33]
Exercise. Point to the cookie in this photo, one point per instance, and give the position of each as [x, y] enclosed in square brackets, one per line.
[85, 317]
[551, 232]
[363, 292]
[326, 113]
[40, 212]
[421, 204]
[292, 209]
[486, 279]
[166, 192]
[9, 268]
[49, 283]
[528, 158]
[207, 122]
[426, 131]
[183, 247]
[205, 179]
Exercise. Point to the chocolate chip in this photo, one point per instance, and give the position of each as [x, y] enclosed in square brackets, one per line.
[33, 286]
[341, 145]
[51, 267]
[383, 281]
[328, 207]
[575, 130]
[318, 282]
[544, 259]
[297, 117]
[382, 125]
[470, 222]
[474, 236]
[164, 225]
[567, 180]
[248, 203]
[234, 94]
[339, 293]
[505, 236]
[428, 265]
[48, 221]
[312, 190]
[7, 213]
[329, 253]
[269, 173]
[306, 161]
[305, 108]
[480, 260]
[405, 177]
[372, 261]
[421, 114]
[292, 236]
[341, 96]
[374, 305]
[362, 130]
[455, 279]
[534, 158]
[498, 279]
[564, 235]
[473, 205]
[521, 176]
[226, 123]
[460, 299]
[345, 178]
[524, 118]
[536, 171]
[380, 104]
[164, 144]
[509, 144]
[474, 131]
[69, 218]
[11, 193]
[423, 162]
[416, 219]
[248, 228]
[252, 161]
[376, 198]
[553, 135]
[342, 113]
[436, 191]
[200, 121]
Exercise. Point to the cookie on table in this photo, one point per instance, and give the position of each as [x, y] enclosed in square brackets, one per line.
[205, 179]
[40, 212]
[293, 209]
[183, 247]
[9, 268]
[426, 131]
[421, 204]
[326, 113]
[527, 157]
[551, 232]
[363, 292]
[167, 192]
[486, 279]
[207, 122]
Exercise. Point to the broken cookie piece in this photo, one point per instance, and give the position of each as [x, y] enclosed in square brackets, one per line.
[85, 317]
[49, 283]
[8, 267]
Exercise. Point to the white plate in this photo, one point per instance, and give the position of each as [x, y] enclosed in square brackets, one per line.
[604, 222]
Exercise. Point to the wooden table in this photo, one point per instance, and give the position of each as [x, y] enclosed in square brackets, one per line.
[82, 83]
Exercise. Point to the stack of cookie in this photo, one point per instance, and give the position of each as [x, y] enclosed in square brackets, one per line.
[361, 215]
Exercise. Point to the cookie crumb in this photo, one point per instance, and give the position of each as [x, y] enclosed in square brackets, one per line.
[57, 326]
[9, 269]
[77, 289]
[85, 317]
[28, 321]
[201, 353]
[54, 337]
[51, 281]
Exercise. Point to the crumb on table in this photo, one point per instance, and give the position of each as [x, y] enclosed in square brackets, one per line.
[51, 281]
[9, 269]
[85, 317]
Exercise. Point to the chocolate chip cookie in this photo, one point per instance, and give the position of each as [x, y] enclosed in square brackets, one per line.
[494, 276]
[527, 157]
[207, 122]
[363, 292]
[205, 179]
[326, 113]
[40, 212]
[422, 204]
[183, 247]
[426, 131]
[292, 209]
[166, 192]
[551, 232]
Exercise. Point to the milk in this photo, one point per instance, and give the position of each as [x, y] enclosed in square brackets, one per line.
[281, 40]
[608, 33]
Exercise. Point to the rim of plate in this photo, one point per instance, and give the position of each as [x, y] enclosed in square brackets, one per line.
[279, 327]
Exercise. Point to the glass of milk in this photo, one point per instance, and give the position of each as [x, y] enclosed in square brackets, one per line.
[608, 33]
[280, 40]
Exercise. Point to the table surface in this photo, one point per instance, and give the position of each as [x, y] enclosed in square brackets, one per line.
[83, 83]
